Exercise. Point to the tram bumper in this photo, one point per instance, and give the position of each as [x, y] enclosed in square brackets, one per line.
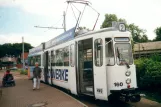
[127, 95]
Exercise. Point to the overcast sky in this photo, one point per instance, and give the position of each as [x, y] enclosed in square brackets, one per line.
[18, 17]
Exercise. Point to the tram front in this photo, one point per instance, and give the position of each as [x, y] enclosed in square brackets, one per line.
[120, 68]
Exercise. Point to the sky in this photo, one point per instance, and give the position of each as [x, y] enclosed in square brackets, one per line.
[18, 17]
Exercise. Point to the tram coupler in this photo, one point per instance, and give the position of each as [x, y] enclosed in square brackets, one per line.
[126, 95]
[130, 95]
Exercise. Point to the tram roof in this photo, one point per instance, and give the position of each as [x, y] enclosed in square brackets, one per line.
[36, 49]
[69, 35]
[98, 31]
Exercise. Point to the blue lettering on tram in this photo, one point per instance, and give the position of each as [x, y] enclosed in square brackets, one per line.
[60, 74]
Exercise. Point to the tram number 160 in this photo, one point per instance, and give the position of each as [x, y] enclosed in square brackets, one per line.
[117, 84]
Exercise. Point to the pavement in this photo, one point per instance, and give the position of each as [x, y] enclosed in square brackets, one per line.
[22, 95]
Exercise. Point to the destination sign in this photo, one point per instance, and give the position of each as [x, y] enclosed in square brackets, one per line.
[121, 39]
[68, 35]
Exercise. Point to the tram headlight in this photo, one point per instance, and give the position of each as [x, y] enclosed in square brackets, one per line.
[128, 81]
[128, 73]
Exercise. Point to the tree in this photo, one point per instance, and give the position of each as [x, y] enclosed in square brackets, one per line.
[138, 34]
[13, 49]
[109, 18]
[158, 34]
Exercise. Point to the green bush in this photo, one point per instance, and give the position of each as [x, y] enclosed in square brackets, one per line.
[148, 72]
[23, 72]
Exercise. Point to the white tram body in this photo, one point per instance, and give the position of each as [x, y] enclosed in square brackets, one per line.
[97, 63]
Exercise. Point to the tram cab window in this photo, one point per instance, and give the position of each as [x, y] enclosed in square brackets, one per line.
[109, 52]
[98, 52]
[72, 55]
[66, 56]
[123, 53]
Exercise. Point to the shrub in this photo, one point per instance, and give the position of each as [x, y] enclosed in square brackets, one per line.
[23, 72]
[148, 67]
[148, 72]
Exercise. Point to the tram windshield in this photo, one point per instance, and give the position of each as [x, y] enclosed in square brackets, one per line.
[123, 53]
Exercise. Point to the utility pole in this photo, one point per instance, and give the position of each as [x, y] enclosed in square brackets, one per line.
[23, 52]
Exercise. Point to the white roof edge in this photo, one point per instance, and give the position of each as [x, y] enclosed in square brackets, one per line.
[98, 31]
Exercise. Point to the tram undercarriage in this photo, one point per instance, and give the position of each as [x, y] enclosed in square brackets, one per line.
[124, 95]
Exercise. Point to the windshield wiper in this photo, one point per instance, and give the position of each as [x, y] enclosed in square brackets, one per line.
[127, 65]
[118, 53]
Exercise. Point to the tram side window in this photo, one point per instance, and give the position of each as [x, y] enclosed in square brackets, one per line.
[32, 61]
[29, 61]
[109, 52]
[43, 59]
[39, 60]
[52, 58]
[66, 56]
[49, 58]
[98, 52]
[72, 55]
[59, 57]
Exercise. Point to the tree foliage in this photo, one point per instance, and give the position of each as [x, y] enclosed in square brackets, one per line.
[13, 49]
[158, 34]
[138, 34]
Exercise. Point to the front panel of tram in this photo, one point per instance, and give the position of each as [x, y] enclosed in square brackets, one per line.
[121, 73]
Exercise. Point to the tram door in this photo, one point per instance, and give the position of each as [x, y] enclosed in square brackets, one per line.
[46, 66]
[85, 66]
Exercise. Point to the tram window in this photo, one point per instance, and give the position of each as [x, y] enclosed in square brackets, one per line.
[44, 59]
[29, 61]
[98, 52]
[49, 60]
[123, 53]
[66, 56]
[72, 55]
[109, 52]
[33, 61]
[52, 58]
[59, 57]
[39, 60]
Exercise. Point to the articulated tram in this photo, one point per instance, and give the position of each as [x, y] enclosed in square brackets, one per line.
[95, 63]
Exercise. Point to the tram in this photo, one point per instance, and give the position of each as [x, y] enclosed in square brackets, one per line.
[95, 63]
